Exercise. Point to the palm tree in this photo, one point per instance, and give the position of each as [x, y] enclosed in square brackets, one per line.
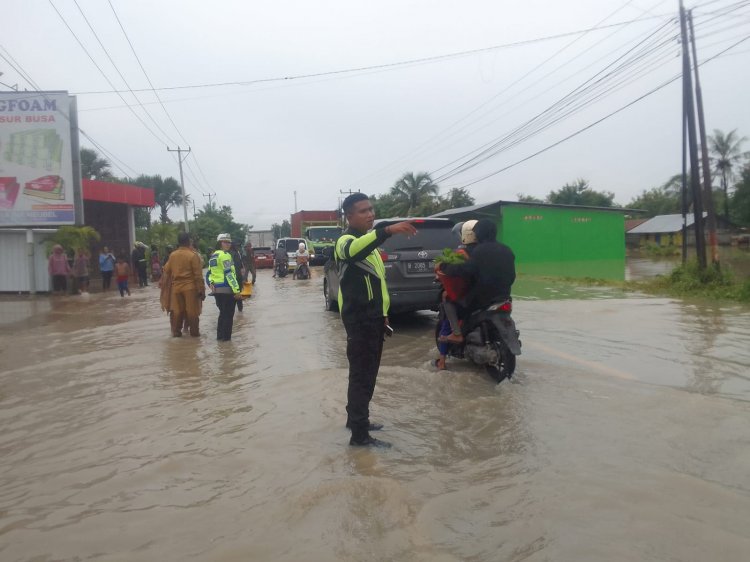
[412, 192]
[167, 193]
[726, 153]
[94, 167]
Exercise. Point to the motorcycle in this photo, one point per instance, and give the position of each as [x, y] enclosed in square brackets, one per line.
[490, 339]
[281, 268]
[303, 271]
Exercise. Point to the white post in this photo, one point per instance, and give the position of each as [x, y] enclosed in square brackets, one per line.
[31, 257]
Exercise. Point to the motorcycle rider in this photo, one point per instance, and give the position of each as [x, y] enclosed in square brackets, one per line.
[280, 259]
[303, 258]
[490, 270]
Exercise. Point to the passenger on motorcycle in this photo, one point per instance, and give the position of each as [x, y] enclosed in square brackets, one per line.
[490, 271]
[303, 259]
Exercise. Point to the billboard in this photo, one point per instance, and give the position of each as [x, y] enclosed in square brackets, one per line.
[37, 186]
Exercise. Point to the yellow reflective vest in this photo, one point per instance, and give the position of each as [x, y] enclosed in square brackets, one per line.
[221, 271]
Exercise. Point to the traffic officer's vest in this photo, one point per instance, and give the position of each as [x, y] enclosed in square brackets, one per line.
[221, 271]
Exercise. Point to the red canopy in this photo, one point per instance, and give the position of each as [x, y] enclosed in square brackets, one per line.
[95, 190]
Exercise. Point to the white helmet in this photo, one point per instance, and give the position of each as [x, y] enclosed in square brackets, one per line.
[468, 236]
[224, 237]
[301, 245]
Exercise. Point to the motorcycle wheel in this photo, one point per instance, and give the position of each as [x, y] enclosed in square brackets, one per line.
[506, 363]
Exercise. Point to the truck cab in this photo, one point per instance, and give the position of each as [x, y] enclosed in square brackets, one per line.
[322, 237]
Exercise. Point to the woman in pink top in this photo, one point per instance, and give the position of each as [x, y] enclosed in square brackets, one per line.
[59, 269]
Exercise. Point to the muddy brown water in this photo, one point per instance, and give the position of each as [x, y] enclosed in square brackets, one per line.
[624, 435]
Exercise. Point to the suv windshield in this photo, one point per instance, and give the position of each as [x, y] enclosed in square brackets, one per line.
[292, 244]
[427, 237]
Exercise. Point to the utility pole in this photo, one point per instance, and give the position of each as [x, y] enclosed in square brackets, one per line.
[209, 196]
[179, 152]
[687, 92]
[708, 198]
[295, 201]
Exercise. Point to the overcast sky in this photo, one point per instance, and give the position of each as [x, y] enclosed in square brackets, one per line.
[255, 144]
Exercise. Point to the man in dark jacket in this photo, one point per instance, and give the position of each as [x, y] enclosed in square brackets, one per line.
[239, 268]
[490, 270]
[363, 302]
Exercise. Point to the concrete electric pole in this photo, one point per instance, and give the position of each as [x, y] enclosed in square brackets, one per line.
[179, 152]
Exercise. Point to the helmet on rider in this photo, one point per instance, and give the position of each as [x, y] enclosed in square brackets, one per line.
[485, 230]
[224, 237]
[468, 235]
[456, 230]
[301, 246]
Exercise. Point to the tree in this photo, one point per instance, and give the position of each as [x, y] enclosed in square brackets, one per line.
[528, 199]
[282, 230]
[167, 193]
[94, 167]
[726, 153]
[580, 193]
[455, 198]
[741, 198]
[74, 238]
[662, 200]
[414, 194]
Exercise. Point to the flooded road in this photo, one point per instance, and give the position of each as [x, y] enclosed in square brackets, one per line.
[624, 435]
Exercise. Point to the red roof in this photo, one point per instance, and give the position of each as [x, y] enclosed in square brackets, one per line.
[95, 190]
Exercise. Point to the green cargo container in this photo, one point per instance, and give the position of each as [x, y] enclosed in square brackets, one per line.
[557, 240]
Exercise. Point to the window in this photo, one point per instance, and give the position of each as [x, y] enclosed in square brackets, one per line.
[427, 237]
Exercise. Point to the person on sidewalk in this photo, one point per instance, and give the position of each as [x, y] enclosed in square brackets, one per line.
[182, 283]
[363, 302]
[59, 269]
[221, 277]
[106, 267]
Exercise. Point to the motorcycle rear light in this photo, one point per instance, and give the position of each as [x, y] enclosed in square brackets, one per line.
[383, 255]
[507, 306]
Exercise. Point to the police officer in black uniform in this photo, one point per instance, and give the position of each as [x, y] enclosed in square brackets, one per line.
[363, 302]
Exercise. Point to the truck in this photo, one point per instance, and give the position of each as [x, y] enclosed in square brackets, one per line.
[260, 238]
[322, 228]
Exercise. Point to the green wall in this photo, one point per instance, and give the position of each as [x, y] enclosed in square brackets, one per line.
[565, 242]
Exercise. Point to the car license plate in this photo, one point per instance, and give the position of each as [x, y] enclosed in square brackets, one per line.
[418, 267]
[261, 257]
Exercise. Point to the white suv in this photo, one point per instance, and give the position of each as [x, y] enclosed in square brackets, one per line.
[291, 245]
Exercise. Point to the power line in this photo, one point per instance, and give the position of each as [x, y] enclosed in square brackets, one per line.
[598, 121]
[153, 89]
[576, 108]
[505, 89]
[387, 65]
[106, 52]
[85, 50]
[483, 153]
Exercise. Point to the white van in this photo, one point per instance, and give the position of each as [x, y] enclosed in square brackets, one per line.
[291, 245]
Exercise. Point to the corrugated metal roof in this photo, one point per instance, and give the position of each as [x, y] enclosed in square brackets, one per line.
[662, 224]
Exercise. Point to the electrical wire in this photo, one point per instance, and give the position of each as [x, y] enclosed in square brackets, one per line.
[465, 166]
[388, 65]
[596, 80]
[557, 52]
[85, 50]
[598, 121]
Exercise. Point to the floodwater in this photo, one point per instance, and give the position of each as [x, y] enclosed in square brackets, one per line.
[623, 436]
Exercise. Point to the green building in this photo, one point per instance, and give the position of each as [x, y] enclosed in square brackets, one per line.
[557, 240]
